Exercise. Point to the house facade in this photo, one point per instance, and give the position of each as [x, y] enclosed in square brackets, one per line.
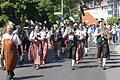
[108, 8]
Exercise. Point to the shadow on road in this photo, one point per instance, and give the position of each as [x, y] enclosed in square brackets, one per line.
[113, 62]
[114, 59]
[112, 66]
[50, 66]
[91, 58]
[115, 55]
[85, 62]
[86, 66]
[24, 65]
[28, 77]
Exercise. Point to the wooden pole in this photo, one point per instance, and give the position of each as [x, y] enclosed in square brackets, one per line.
[102, 25]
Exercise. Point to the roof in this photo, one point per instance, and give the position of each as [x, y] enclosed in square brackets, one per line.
[89, 18]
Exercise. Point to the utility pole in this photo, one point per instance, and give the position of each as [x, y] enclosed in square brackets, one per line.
[62, 4]
[81, 12]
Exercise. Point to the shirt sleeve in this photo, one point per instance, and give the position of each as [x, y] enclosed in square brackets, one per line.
[84, 33]
[17, 40]
[65, 33]
[48, 35]
[31, 37]
[77, 32]
[96, 32]
[3, 37]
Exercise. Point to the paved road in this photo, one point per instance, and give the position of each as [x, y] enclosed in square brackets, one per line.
[88, 69]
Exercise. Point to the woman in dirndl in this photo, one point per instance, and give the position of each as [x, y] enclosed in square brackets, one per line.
[10, 43]
[80, 34]
[35, 53]
[44, 44]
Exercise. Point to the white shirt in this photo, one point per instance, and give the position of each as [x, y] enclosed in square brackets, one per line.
[15, 38]
[114, 31]
[67, 30]
[89, 30]
[71, 37]
[80, 33]
[48, 34]
[96, 31]
[95, 34]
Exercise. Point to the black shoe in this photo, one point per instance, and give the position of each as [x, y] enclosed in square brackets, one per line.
[86, 54]
[104, 68]
[34, 65]
[12, 74]
[73, 68]
[58, 58]
[55, 56]
[70, 57]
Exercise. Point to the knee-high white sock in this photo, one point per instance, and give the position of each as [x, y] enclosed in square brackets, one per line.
[86, 50]
[63, 49]
[73, 62]
[104, 62]
[58, 53]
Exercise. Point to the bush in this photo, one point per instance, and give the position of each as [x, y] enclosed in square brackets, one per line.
[112, 20]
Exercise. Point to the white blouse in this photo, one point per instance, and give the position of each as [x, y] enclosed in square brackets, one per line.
[15, 38]
[41, 34]
[80, 33]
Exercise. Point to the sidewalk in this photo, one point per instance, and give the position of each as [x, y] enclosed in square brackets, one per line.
[0, 61]
[116, 47]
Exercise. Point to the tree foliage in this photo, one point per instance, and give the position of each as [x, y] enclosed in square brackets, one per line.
[112, 20]
[36, 10]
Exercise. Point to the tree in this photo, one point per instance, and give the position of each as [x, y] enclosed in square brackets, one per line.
[18, 10]
[36, 10]
[112, 20]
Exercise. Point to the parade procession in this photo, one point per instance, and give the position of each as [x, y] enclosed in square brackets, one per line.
[80, 47]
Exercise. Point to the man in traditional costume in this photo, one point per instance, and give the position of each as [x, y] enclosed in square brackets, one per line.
[22, 35]
[57, 40]
[71, 44]
[103, 51]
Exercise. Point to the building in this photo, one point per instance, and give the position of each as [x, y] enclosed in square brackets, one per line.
[113, 7]
[108, 8]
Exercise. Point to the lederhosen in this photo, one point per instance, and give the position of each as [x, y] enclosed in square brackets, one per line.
[86, 41]
[79, 49]
[71, 46]
[56, 37]
[102, 47]
[10, 54]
